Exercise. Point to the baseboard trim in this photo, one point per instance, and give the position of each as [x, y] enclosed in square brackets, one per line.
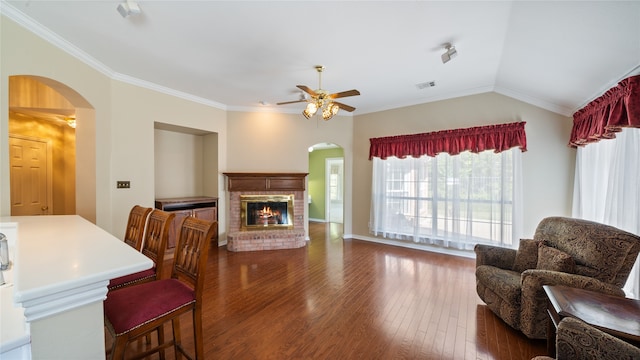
[423, 247]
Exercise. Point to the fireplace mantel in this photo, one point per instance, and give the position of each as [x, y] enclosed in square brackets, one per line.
[266, 181]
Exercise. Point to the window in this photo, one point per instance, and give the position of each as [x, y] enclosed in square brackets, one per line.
[448, 200]
[606, 188]
[606, 178]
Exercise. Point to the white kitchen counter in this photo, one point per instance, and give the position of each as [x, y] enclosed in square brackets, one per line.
[61, 268]
[14, 330]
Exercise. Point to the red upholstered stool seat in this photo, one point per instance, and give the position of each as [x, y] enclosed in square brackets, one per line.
[140, 276]
[131, 307]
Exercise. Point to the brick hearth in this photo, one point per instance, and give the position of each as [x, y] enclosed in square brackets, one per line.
[265, 240]
[239, 184]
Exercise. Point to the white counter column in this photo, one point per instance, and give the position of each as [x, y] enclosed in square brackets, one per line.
[62, 267]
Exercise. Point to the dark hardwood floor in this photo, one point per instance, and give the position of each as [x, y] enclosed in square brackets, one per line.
[337, 299]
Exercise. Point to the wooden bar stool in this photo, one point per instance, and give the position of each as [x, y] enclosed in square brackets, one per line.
[153, 245]
[135, 226]
[137, 310]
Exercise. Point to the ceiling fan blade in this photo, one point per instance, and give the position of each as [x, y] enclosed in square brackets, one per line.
[307, 90]
[291, 102]
[342, 94]
[344, 106]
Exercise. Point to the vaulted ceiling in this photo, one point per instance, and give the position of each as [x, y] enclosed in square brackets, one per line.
[239, 54]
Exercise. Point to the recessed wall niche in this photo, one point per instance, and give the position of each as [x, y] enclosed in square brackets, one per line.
[185, 161]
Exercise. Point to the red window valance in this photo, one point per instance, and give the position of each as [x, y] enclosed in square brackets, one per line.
[476, 139]
[618, 108]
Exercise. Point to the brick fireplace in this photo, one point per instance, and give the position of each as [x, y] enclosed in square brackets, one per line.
[265, 187]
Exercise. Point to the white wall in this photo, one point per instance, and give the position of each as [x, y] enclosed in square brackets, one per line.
[124, 124]
[135, 112]
[23, 53]
[178, 164]
[272, 142]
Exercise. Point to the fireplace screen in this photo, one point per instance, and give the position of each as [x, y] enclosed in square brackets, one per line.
[261, 212]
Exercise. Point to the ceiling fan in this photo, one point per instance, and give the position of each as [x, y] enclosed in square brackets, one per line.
[321, 99]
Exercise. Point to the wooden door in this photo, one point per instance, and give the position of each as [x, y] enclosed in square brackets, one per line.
[30, 162]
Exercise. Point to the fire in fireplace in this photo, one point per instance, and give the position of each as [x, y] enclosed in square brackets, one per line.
[262, 212]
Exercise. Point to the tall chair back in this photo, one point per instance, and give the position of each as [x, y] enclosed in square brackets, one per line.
[153, 245]
[189, 262]
[135, 226]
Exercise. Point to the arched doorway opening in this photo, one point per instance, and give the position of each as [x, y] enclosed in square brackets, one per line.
[326, 183]
[52, 149]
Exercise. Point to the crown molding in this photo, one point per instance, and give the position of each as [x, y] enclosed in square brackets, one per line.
[38, 29]
[43, 32]
[633, 72]
[431, 99]
[558, 109]
[264, 109]
[277, 110]
[11, 12]
[165, 90]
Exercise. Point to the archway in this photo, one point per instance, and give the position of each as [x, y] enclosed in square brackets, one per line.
[326, 183]
[42, 110]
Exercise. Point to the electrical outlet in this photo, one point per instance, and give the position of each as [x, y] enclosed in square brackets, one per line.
[123, 184]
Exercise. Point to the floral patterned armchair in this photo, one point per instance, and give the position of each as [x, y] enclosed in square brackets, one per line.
[578, 340]
[564, 251]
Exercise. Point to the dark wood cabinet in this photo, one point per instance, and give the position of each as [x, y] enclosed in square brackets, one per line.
[201, 207]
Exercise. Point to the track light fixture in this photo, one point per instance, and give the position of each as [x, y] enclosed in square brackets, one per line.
[129, 7]
[450, 53]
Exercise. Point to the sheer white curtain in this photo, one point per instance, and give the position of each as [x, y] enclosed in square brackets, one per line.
[607, 188]
[451, 201]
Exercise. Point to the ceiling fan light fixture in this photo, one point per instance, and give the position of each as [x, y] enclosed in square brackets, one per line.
[321, 100]
[311, 110]
[334, 109]
[326, 113]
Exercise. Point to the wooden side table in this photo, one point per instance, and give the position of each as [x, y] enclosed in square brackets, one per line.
[615, 315]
